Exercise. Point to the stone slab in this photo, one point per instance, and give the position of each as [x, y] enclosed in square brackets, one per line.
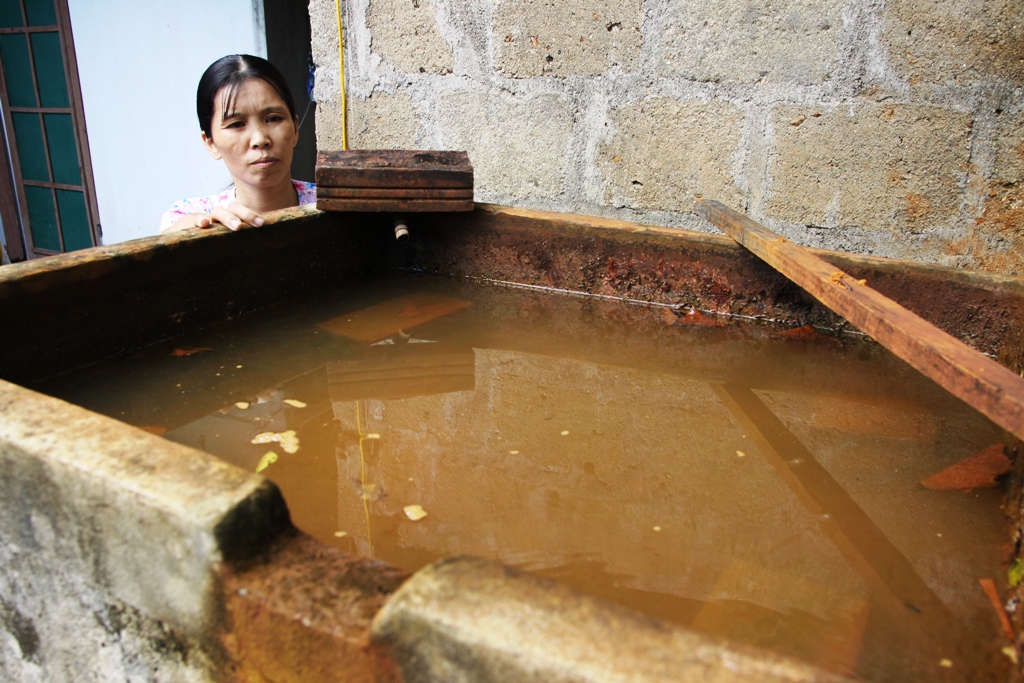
[142, 518]
[517, 145]
[879, 167]
[665, 154]
[379, 121]
[469, 619]
[581, 38]
[959, 42]
[793, 41]
[406, 35]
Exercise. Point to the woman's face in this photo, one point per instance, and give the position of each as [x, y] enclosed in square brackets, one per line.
[256, 138]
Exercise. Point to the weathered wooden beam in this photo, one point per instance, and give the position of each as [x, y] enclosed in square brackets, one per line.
[392, 192]
[393, 168]
[394, 205]
[979, 381]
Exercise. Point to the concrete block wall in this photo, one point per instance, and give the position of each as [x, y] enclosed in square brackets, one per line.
[893, 128]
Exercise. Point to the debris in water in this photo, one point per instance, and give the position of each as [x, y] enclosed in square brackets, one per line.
[370, 492]
[805, 332]
[513, 452]
[565, 432]
[266, 461]
[695, 317]
[189, 350]
[239, 367]
[295, 403]
[1015, 573]
[242, 405]
[414, 512]
[656, 528]
[386, 319]
[989, 586]
[740, 453]
[946, 663]
[288, 440]
[1011, 652]
[340, 534]
[978, 471]
[159, 431]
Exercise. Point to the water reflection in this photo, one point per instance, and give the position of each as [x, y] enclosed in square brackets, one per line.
[759, 489]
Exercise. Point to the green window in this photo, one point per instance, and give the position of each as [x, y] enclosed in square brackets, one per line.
[49, 205]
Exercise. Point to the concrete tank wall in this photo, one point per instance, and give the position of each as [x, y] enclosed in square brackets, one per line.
[889, 128]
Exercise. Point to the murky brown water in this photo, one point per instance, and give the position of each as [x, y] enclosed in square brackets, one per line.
[759, 486]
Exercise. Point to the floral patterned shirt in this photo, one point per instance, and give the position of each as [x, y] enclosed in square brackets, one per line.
[306, 191]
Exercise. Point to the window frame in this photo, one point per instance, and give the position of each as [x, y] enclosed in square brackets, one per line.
[13, 205]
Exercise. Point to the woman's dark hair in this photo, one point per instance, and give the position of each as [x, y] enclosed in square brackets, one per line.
[229, 73]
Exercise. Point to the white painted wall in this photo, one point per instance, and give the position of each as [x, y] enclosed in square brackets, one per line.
[139, 64]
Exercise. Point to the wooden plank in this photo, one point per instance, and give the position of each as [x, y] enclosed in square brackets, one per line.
[390, 317]
[394, 193]
[979, 381]
[414, 205]
[393, 168]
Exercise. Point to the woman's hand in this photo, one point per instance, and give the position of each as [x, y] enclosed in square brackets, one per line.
[234, 217]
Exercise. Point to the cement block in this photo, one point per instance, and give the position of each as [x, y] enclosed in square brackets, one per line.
[791, 41]
[954, 41]
[995, 242]
[665, 154]
[893, 168]
[382, 121]
[467, 619]
[1009, 149]
[405, 34]
[518, 145]
[142, 519]
[327, 84]
[582, 38]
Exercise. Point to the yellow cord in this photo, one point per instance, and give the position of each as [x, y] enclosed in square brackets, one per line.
[362, 476]
[341, 70]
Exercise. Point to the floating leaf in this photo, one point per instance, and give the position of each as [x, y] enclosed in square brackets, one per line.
[294, 403]
[288, 440]
[978, 471]
[266, 461]
[189, 350]
[1015, 573]
[264, 437]
[414, 512]
[242, 405]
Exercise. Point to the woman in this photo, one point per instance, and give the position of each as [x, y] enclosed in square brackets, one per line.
[248, 120]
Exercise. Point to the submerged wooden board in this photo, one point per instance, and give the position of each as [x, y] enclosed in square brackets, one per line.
[393, 169]
[977, 380]
[388, 318]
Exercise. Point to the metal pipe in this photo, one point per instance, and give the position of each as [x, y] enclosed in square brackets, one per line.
[401, 230]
